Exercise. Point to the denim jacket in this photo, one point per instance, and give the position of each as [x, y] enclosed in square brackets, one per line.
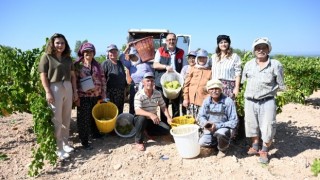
[223, 114]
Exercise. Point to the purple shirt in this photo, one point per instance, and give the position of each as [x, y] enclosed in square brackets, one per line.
[137, 71]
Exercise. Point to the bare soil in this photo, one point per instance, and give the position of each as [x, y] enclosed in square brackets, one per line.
[296, 145]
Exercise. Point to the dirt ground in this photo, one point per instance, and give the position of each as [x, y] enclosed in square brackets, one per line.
[296, 145]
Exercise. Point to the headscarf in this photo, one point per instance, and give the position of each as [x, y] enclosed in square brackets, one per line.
[88, 46]
[202, 53]
[223, 37]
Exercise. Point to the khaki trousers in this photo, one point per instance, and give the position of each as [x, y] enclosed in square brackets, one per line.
[62, 106]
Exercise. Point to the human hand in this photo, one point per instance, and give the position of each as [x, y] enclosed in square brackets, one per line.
[210, 127]
[155, 118]
[77, 102]
[169, 120]
[49, 98]
[235, 92]
[185, 103]
[75, 97]
[169, 68]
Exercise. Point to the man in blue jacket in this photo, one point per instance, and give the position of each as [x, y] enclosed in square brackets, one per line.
[218, 117]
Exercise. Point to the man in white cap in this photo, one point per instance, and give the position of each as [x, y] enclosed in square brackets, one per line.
[146, 102]
[218, 117]
[264, 78]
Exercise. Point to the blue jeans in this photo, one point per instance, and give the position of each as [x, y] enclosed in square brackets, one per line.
[220, 138]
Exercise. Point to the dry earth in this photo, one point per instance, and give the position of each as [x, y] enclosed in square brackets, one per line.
[296, 145]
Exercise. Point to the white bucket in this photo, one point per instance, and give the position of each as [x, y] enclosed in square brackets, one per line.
[186, 138]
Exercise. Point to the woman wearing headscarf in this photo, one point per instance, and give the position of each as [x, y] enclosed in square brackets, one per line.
[91, 88]
[194, 91]
[137, 69]
[226, 66]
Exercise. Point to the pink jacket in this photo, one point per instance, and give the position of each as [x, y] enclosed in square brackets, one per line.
[194, 86]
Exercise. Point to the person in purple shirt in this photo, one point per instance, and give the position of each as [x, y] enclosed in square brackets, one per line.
[137, 69]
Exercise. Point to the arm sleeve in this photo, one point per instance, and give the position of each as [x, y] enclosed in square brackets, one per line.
[187, 84]
[244, 74]
[157, 57]
[237, 66]
[126, 63]
[203, 116]
[280, 78]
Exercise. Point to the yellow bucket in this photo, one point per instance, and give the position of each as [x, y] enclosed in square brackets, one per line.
[181, 120]
[105, 115]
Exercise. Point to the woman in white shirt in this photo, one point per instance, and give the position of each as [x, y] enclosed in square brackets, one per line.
[226, 66]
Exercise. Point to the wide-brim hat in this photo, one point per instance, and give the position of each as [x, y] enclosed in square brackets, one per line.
[214, 83]
[262, 40]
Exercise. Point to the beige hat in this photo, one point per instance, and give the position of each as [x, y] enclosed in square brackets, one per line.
[214, 83]
[262, 40]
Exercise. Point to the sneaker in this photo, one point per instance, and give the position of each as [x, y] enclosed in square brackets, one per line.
[221, 154]
[67, 148]
[252, 151]
[263, 157]
[62, 154]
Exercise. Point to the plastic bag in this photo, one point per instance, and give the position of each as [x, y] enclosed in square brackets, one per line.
[171, 76]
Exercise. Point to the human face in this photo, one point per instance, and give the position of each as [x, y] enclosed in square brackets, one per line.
[88, 55]
[215, 93]
[202, 61]
[113, 54]
[223, 45]
[191, 60]
[261, 50]
[133, 58]
[171, 41]
[59, 45]
[148, 83]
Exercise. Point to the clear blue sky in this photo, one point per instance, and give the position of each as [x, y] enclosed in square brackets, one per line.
[293, 26]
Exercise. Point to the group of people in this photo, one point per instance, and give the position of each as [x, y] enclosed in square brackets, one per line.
[209, 92]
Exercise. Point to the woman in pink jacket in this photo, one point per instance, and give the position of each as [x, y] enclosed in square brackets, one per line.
[194, 91]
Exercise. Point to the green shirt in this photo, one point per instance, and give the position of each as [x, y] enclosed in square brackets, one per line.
[56, 70]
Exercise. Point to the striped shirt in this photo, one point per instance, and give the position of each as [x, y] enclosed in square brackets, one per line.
[142, 101]
[262, 83]
[226, 68]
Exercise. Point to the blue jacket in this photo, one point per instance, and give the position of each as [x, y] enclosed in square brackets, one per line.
[223, 114]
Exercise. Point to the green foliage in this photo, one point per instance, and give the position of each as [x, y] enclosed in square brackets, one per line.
[301, 76]
[3, 157]
[17, 78]
[21, 91]
[100, 58]
[44, 130]
[315, 167]
[241, 53]
[78, 44]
